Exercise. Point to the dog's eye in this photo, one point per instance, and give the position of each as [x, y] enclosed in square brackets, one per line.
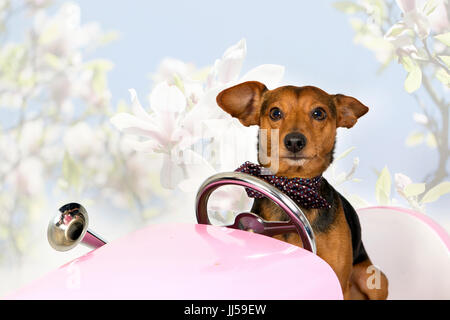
[276, 114]
[319, 114]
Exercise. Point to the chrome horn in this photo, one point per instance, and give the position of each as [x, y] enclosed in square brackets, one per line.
[70, 227]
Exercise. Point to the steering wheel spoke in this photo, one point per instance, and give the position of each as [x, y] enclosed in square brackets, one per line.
[251, 222]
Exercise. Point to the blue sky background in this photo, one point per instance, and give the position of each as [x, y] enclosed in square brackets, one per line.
[313, 40]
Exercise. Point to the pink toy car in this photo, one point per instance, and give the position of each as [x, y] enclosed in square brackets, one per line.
[201, 261]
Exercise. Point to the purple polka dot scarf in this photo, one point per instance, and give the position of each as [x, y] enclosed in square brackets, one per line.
[304, 191]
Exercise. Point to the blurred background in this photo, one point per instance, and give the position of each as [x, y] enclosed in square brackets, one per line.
[71, 130]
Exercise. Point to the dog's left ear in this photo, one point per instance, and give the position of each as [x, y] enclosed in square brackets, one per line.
[348, 110]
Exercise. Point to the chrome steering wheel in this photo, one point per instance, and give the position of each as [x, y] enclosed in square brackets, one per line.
[250, 221]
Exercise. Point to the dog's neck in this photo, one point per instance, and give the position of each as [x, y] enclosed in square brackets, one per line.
[305, 192]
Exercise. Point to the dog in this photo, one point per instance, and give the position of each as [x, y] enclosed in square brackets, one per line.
[307, 119]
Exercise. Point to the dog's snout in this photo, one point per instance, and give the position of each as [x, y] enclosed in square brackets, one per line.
[294, 141]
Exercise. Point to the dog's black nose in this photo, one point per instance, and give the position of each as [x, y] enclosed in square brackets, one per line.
[294, 141]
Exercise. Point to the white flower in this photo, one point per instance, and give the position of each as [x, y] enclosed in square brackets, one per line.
[172, 70]
[439, 20]
[31, 136]
[170, 67]
[82, 141]
[175, 130]
[228, 68]
[401, 38]
[62, 34]
[401, 181]
[61, 88]
[161, 128]
[417, 21]
[9, 152]
[406, 5]
[415, 18]
[27, 177]
[420, 118]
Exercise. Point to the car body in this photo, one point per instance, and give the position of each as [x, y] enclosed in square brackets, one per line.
[196, 261]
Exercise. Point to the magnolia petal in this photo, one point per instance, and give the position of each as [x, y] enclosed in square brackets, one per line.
[171, 173]
[197, 174]
[406, 5]
[420, 118]
[401, 182]
[269, 74]
[418, 22]
[148, 146]
[439, 21]
[170, 67]
[130, 124]
[167, 98]
[185, 139]
[228, 68]
[205, 109]
[124, 120]
[137, 108]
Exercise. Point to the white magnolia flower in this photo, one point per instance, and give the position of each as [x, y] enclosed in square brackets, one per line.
[420, 118]
[417, 21]
[171, 70]
[227, 68]
[415, 18]
[82, 141]
[169, 67]
[439, 20]
[402, 41]
[31, 136]
[61, 40]
[62, 35]
[401, 181]
[27, 178]
[406, 5]
[9, 152]
[160, 129]
[61, 87]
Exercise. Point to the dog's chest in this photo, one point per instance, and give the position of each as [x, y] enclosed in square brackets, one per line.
[269, 211]
[320, 219]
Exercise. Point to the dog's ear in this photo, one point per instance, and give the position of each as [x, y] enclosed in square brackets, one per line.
[243, 101]
[348, 110]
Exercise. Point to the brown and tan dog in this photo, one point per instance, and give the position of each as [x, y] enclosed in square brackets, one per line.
[307, 119]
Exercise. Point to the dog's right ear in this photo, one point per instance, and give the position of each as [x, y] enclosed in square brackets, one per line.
[243, 101]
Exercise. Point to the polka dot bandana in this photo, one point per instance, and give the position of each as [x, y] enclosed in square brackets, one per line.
[304, 191]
